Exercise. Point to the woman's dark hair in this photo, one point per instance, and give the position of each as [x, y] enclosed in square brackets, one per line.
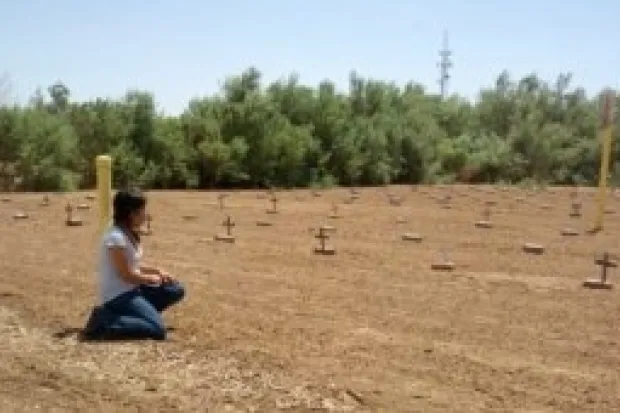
[127, 202]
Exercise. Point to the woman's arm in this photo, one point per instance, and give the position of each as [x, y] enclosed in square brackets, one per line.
[119, 259]
[147, 269]
[164, 275]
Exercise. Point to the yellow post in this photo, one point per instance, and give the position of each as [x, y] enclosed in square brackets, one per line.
[606, 134]
[103, 163]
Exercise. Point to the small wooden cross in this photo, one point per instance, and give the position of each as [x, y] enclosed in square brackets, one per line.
[69, 211]
[575, 209]
[604, 262]
[229, 224]
[274, 204]
[220, 199]
[444, 264]
[395, 200]
[334, 214]
[71, 221]
[322, 236]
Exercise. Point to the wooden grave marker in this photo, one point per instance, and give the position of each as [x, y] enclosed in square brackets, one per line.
[605, 262]
[485, 222]
[274, 204]
[443, 264]
[395, 200]
[148, 230]
[353, 196]
[533, 248]
[71, 220]
[412, 237]
[228, 237]
[575, 210]
[334, 214]
[444, 201]
[323, 236]
[220, 200]
[20, 216]
[569, 232]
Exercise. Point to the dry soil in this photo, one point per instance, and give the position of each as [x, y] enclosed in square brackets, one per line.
[267, 325]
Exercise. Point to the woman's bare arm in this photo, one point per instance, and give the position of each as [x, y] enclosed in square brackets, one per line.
[165, 276]
[148, 269]
[119, 259]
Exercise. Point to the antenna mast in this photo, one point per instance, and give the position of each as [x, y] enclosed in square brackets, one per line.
[445, 63]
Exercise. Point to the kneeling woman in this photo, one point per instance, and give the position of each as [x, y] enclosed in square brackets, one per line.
[132, 295]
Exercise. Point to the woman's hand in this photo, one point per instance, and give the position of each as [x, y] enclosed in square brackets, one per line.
[163, 276]
[166, 278]
[152, 279]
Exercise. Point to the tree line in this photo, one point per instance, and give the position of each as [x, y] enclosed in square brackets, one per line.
[286, 134]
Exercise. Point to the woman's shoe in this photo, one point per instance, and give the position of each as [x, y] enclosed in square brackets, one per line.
[94, 327]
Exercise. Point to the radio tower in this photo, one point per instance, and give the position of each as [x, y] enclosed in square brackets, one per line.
[445, 63]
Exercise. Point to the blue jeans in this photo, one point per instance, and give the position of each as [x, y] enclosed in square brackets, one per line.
[135, 314]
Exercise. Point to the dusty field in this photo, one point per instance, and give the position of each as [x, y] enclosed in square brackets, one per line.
[269, 326]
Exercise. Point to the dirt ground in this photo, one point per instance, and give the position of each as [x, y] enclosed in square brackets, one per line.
[269, 326]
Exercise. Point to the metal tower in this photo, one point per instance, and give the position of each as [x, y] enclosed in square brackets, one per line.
[445, 63]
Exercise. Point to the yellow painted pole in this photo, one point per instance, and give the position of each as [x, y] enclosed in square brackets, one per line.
[606, 135]
[103, 164]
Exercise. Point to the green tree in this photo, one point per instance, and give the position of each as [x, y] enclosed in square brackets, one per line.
[288, 134]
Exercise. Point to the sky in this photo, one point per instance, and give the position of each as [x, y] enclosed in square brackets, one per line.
[183, 49]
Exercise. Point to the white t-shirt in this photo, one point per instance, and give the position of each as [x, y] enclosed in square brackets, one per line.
[111, 284]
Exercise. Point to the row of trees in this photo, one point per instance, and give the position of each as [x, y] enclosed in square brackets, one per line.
[287, 134]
